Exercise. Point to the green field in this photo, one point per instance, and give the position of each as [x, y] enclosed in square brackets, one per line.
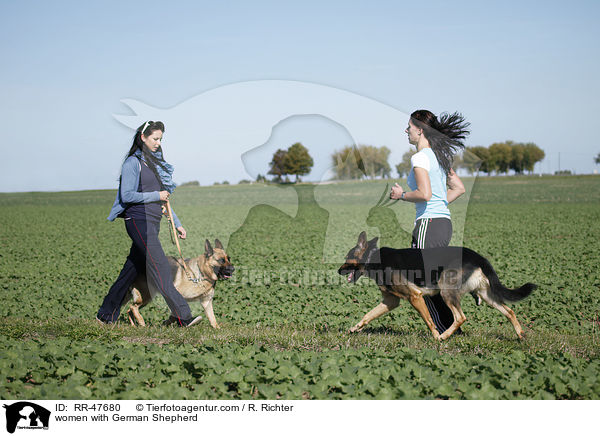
[285, 313]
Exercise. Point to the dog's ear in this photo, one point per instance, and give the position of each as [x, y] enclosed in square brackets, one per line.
[362, 240]
[373, 242]
[218, 244]
[208, 250]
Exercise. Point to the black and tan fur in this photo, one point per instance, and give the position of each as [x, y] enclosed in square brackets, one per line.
[413, 273]
[209, 267]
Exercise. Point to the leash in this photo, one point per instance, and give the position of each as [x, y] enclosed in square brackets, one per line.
[188, 272]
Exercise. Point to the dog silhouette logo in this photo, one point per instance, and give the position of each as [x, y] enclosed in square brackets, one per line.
[26, 415]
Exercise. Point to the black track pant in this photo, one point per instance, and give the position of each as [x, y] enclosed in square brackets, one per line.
[431, 233]
[146, 256]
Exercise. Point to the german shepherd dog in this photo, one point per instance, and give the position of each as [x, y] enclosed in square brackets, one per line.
[412, 273]
[209, 267]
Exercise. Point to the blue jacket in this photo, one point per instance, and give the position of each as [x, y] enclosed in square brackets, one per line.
[128, 190]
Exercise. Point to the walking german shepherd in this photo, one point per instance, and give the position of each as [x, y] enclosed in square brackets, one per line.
[412, 273]
[213, 265]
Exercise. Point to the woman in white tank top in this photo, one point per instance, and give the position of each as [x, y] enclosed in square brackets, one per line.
[434, 185]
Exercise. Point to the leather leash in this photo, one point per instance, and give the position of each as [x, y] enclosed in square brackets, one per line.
[188, 272]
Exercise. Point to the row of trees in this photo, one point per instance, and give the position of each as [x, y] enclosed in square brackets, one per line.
[501, 157]
[348, 163]
[372, 162]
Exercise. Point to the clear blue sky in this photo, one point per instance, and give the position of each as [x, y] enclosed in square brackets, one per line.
[520, 70]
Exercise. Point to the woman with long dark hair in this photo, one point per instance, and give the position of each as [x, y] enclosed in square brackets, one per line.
[434, 185]
[146, 182]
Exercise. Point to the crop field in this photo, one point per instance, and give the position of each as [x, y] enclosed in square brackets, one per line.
[285, 313]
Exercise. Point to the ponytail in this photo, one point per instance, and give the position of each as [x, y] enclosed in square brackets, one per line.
[446, 135]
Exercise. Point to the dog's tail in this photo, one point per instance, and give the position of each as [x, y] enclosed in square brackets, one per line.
[501, 292]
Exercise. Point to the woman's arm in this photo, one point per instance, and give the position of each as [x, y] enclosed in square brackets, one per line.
[178, 226]
[422, 193]
[455, 186]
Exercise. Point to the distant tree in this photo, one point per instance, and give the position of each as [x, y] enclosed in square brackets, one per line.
[261, 179]
[381, 166]
[297, 161]
[403, 168]
[532, 154]
[477, 159]
[500, 156]
[347, 164]
[375, 160]
[277, 165]
[362, 161]
[517, 158]
[192, 183]
[225, 182]
[244, 182]
[457, 162]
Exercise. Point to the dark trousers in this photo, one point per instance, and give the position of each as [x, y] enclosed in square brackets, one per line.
[146, 256]
[431, 233]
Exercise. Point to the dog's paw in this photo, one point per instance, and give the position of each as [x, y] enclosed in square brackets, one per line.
[355, 329]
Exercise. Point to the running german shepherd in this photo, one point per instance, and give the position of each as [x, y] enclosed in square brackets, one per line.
[412, 273]
[213, 265]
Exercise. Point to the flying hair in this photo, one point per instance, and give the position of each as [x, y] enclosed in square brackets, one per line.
[446, 134]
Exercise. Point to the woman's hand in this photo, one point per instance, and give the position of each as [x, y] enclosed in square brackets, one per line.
[164, 195]
[455, 186]
[396, 193]
[182, 232]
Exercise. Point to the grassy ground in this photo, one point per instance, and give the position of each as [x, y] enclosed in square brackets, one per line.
[285, 314]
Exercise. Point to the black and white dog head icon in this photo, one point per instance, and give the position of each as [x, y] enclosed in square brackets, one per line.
[27, 415]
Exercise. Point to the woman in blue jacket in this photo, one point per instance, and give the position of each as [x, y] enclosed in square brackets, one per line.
[434, 185]
[146, 182]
